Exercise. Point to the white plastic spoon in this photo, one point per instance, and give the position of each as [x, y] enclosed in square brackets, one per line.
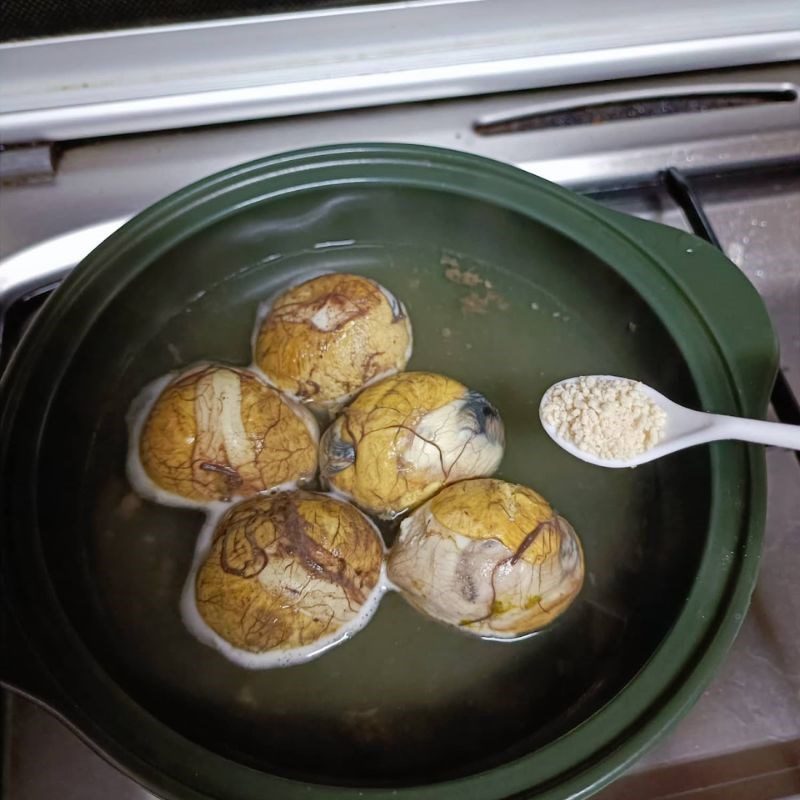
[684, 428]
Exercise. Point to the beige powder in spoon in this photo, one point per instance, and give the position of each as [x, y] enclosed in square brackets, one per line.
[611, 418]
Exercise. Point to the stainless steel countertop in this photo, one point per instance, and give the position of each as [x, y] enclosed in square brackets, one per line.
[329, 59]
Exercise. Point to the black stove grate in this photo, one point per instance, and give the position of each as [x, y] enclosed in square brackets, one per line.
[681, 189]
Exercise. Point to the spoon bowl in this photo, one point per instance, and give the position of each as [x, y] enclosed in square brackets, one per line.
[684, 428]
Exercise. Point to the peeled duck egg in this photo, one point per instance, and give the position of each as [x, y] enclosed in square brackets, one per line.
[489, 557]
[325, 339]
[285, 577]
[405, 437]
[214, 433]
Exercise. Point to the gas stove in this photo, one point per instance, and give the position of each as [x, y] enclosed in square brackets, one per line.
[714, 152]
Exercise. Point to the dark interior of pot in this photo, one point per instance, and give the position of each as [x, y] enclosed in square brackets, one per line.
[407, 700]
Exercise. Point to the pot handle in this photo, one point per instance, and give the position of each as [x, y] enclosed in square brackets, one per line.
[730, 305]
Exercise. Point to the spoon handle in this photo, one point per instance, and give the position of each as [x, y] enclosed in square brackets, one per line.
[754, 430]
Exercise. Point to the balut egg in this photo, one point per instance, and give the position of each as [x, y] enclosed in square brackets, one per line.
[285, 577]
[323, 340]
[489, 557]
[404, 438]
[214, 433]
